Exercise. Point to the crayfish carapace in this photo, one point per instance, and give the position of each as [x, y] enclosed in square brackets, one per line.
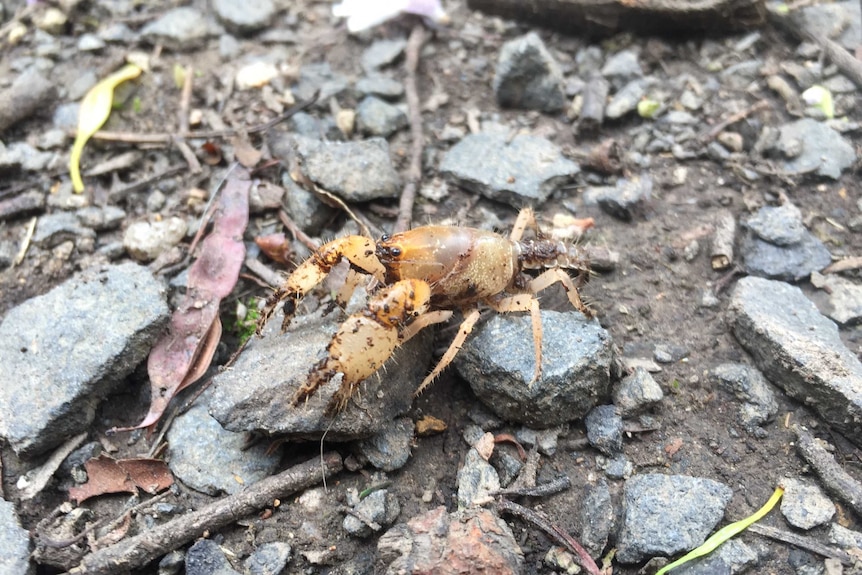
[424, 274]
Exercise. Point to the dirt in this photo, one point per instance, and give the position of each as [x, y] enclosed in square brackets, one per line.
[652, 297]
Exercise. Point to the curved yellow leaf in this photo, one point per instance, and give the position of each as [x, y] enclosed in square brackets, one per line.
[725, 533]
[94, 112]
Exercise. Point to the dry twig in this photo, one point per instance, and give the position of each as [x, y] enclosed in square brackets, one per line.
[414, 170]
[141, 549]
[802, 542]
[556, 533]
[834, 478]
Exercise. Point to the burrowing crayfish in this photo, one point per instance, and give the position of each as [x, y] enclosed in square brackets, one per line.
[425, 272]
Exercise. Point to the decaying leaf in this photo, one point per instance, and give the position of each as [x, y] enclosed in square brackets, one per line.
[108, 475]
[184, 353]
[94, 112]
[276, 247]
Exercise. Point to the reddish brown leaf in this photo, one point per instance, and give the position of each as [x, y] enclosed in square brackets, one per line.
[185, 352]
[276, 247]
[108, 475]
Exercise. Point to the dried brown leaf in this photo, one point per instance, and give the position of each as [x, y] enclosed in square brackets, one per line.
[108, 475]
[276, 247]
[185, 351]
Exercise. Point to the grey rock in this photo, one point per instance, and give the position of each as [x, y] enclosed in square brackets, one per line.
[679, 117]
[180, 28]
[145, 241]
[229, 47]
[254, 394]
[845, 298]
[623, 200]
[622, 67]
[320, 78]
[748, 385]
[577, 357]
[843, 537]
[545, 440]
[29, 93]
[101, 218]
[472, 434]
[304, 207]
[626, 99]
[740, 75]
[596, 517]
[804, 505]
[380, 86]
[23, 156]
[481, 416]
[789, 263]
[839, 21]
[389, 449]
[527, 76]
[507, 464]
[780, 225]
[355, 171]
[616, 467]
[731, 558]
[54, 229]
[523, 171]
[382, 53]
[666, 514]
[380, 506]
[268, 559]
[59, 379]
[477, 480]
[605, 429]
[636, 393]
[22, 205]
[172, 563]
[212, 460]
[374, 117]
[206, 558]
[118, 33]
[90, 43]
[813, 147]
[309, 126]
[14, 542]
[800, 350]
[245, 17]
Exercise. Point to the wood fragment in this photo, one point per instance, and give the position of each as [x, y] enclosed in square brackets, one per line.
[801, 541]
[543, 490]
[417, 144]
[845, 265]
[721, 252]
[593, 108]
[834, 478]
[138, 551]
[599, 18]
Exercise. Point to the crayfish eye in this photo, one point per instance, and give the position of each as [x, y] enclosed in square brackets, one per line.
[385, 238]
[395, 252]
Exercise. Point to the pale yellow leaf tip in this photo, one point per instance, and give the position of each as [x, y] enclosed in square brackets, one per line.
[94, 112]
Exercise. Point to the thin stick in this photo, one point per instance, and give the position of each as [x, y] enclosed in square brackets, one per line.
[165, 139]
[414, 170]
[138, 551]
[732, 119]
[834, 478]
[802, 542]
[556, 533]
[548, 488]
[850, 66]
[185, 102]
[25, 245]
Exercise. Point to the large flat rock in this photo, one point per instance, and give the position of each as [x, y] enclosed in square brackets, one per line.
[799, 350]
